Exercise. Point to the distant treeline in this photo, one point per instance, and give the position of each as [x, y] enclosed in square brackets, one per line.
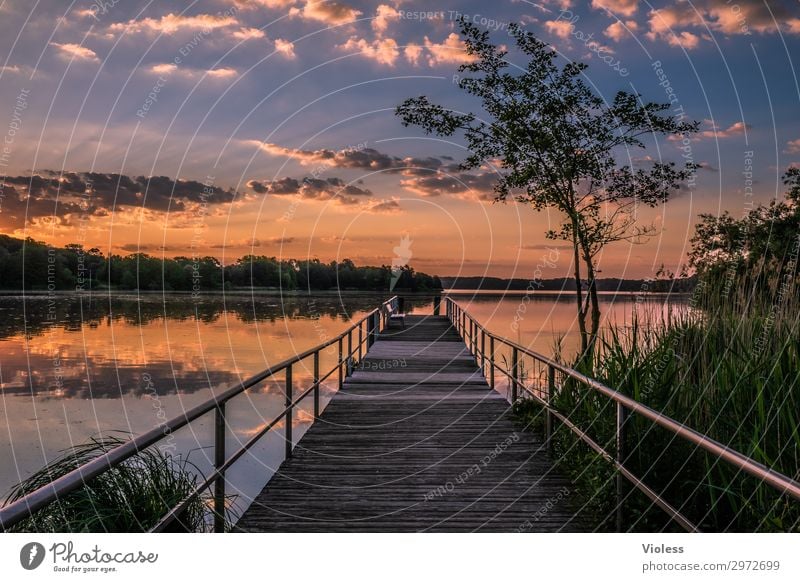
[32, 265]
[657, 285]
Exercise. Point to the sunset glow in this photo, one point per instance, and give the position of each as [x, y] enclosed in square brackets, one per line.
[233, 128]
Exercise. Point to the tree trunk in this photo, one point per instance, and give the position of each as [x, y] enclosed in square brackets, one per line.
[579, 291]
[595, 303]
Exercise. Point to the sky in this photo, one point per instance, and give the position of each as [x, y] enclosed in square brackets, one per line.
[267, 127]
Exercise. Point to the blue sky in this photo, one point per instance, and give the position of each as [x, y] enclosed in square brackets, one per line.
[257, 96]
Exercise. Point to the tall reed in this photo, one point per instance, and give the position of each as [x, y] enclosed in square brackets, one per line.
[729, 368]
[130, 497]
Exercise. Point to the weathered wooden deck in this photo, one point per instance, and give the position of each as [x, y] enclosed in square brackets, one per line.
[415, 441]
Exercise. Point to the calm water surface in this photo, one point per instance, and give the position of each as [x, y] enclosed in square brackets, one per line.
[71, 368]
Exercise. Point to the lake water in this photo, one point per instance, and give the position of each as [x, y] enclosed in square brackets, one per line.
[72, 368]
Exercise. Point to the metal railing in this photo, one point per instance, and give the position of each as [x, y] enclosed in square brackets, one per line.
[366, 328]
[476, 336]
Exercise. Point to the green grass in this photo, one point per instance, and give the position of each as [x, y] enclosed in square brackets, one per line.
[130, 497]
[730, 370]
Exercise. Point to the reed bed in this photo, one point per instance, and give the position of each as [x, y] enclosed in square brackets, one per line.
[130, 497]
[728, 367]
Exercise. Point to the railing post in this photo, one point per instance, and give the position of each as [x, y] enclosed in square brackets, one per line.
[349, 352]
[219, 460]
[340, 363]
[288, 416]
[622, 414]
[472, 339]
[514, 374]
[548, 421]
[491, 362]
[316, 385]
[483, 350]
[360, 342]
[371, 330]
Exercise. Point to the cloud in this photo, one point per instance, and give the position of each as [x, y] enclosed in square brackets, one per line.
[617, 7]
[560, 28]
[412, 53]
[391, 206]
[383, 16]
[328, 12]
[223, 73]
[713, 131]
[285, 47]
[381, 50]
[245, 33]
[359, 158]
[450, 51]
[65, 195]
[172, 23]
[480, 186]
[325, 189]
[280, 240]
[76, 51]
[792, 147]
[743, 17]
[164, 68]
[273, 4]
[619, 30]
[683, 39]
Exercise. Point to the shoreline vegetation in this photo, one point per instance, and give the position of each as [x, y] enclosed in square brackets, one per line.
[30, 265]
[73, 270]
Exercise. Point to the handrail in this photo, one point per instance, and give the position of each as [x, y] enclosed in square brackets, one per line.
[375, 320]
[470, 329]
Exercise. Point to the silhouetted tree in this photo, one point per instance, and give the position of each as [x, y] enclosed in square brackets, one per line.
[557, 143]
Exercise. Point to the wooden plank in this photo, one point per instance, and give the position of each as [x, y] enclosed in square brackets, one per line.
[424, 445]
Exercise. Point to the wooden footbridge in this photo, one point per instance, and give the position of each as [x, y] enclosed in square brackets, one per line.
[417, 438]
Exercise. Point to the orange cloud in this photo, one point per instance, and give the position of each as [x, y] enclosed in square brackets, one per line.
[223, 73]
[450, 51]
[285, 47]
[327, 12]
[743, 17]
[381, 50]
[713, 131]
[164, 68]
[559, 28]
[76, 51]
[683, 39]
[412, 53]
[275, 4]
[172, 23]
[619, 30]
[623, 7]
[245, 33]
[383, 16]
